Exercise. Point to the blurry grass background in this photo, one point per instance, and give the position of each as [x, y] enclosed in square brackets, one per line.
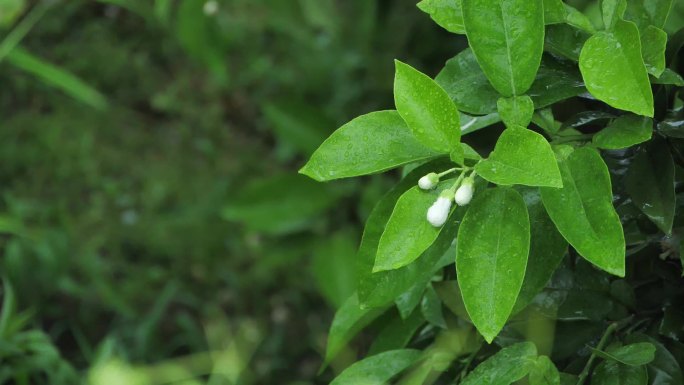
[154, 229]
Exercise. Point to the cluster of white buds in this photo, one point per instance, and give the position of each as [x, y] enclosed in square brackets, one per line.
[461, 193]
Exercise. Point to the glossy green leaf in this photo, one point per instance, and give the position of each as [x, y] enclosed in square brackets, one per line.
[583, 209]
[397, 333]
[446, 13]
[521, 156]
[653, 45]
[664, 369]
[473, 123]
[650, 183]
[554, 12]
[492, 249]
[648, 12]
[565, 40]
[556, 81]
[371, 143]
[612, 373]
[408, 233]
[578, 19]
[463, 79]
[505, 367]
[426, 108]
[382, 288]
[612, 11]
[349, 319]
[637, 354]
[547, 248]
[516, 110]
[507, 37]
[378, 369]
[669, 77]
[544, 372]
[623, 132]
[614, 71]
[409, 300]
[431, 307]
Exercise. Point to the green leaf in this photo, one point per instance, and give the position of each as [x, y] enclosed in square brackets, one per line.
[507, 37]
[554, 12]
[382, 288]
[473, 123]
[547, 248]
[650, 183]
[333, 267]
[58, 78]
[397, 333]
[280, 204]
[371, 143]
[583, 209]
[544, 372]
[648, 12]
[426, 108]
[614, 71]
[516, 110]
[492, 249]
[446, 13]
[410, 299]
[408, 233]
[565, 40]
[505, 367]
[521, 156]
[612, 11]
[669, 77]
[664, 369]
[653, 45]
[297, 124]
[578, 19]
[431, 307]
[637, 354]
[556, 81]
[612, 373]
[623, 132]
[349, 319]
[378, 369]
[463, 79]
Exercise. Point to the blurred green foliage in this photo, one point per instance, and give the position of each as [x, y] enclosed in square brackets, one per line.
[154, 231]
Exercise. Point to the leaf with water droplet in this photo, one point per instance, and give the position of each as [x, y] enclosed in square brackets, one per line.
[614, 71]
[583, 209]
[491, 256]
[371, 143]
[426, 108]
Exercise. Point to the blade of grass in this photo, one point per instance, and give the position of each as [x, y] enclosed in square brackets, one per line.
[57, 77]
[15, 36]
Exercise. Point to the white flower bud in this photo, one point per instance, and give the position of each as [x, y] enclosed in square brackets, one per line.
[439, 211]
[429, 181]
[464, 194]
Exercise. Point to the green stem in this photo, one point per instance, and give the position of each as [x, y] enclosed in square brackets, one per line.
[602, 343]
[449, 171]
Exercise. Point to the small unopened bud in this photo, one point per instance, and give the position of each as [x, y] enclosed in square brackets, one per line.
[464, 194]
[429, 181]
[439, 211]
